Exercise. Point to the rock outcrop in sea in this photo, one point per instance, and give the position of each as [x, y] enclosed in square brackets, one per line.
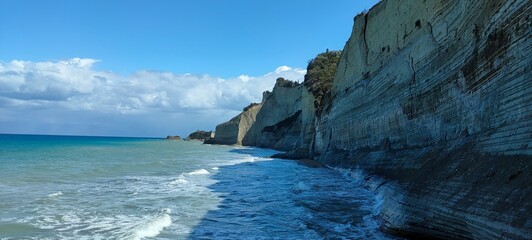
[431, 106]
[200, 135]
[176, 138]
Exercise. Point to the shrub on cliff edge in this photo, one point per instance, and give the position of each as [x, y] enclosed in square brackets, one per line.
[320, 75]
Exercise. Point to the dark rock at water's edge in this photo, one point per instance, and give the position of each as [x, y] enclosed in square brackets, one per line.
[294, 154]
[304, 161]
[209, 141]
[430, 105]
[176, 138]
[200, 135]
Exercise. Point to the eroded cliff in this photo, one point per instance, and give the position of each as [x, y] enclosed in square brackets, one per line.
[431, 105]
[432, 101]
[233, 131]
[273, 123]
[278, 123]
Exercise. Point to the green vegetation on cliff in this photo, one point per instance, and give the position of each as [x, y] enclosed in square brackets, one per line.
[320, 75]
[250, 106]
[200, 135]
[282, 82]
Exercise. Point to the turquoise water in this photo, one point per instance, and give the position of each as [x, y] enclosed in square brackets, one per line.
[59, 187]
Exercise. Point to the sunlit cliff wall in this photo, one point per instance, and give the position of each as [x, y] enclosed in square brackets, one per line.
[431, 106]
[432, 100]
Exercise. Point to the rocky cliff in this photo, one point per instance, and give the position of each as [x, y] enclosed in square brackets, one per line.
[432, 100]
[278, 123]
[273, 123]
[233, 131]
[431, 105]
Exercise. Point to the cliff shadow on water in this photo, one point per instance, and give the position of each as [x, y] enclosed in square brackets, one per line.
[285, 199]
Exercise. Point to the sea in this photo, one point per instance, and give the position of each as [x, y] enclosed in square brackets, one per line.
[74, 187]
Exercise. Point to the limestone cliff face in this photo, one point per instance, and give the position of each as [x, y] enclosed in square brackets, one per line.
[432, 100]
[431, 106]
[278, 123]
[233, 131]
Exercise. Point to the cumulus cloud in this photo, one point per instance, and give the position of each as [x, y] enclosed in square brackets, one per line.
[73, 86]
[283, 69]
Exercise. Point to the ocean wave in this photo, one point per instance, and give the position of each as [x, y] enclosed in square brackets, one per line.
[153, 227]
[86, 225]
[374, 206]
[56, 194]
[179, 181]
[199, 172]
[300, 187]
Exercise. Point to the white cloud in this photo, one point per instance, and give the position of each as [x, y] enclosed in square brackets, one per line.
[73, 86]
[47, 80]
[283, 69]
[244, 78]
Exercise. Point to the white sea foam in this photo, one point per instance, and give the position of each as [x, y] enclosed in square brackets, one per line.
[300, 187]
[379, 200]
[116, 205]
[248, 159]
[356, 175]
[179, 181]
[76, 225]
[56, 194]
[370, 222]
[199, 172]
[153, 227]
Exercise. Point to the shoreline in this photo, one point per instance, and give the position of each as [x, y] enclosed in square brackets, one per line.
[426, 99]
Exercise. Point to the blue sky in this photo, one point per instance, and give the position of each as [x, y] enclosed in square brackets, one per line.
[57, 54]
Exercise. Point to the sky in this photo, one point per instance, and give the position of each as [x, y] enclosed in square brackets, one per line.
[150, 68]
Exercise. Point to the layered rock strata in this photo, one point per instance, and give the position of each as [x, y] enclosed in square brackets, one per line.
[273, 123]
[278, 123]
[233, 131]
[431, 105]
[435, 99]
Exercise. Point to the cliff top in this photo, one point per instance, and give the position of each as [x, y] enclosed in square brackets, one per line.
[199, 135]
[282, 82]
[250, 106]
